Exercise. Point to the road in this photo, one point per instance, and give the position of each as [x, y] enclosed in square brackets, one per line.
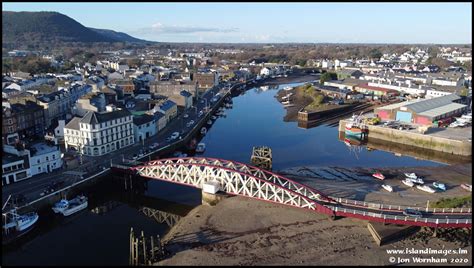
[33, 188]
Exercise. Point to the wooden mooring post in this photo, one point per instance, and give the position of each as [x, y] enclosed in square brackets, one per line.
[262, 157]
[145, 251]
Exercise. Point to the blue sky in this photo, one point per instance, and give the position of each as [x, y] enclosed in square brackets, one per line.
[273, 22]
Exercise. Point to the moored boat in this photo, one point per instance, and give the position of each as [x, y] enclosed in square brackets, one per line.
[203, 131]
[379, 176]
[69, 207]
[209, 122]
[287, 88]
[387, 187]
[408, 182]
[201, 147]
[439, 185]
[426, 188]
[16, 225]
[411, 175]
[466, 186]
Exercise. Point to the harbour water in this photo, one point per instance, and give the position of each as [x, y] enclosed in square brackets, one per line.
[100, 234]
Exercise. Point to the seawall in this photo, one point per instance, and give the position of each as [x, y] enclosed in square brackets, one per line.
[425, 141]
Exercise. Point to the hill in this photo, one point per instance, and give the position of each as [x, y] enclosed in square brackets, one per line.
[33, 28]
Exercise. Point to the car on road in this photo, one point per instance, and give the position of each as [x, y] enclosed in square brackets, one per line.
[412, 213]
[135, 157]
[174, 135]
[190, 123]
[154, 146]
[186, 115]
[200, 113]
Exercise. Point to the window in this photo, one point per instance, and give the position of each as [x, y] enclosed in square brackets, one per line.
[47, 158]
[54, 156]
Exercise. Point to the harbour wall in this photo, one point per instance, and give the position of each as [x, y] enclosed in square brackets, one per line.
[424, 141]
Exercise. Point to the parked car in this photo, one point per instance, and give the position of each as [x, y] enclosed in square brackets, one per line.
[186, 115]
[412, 213]
[174, 135]
[135, 157]
[200, 113]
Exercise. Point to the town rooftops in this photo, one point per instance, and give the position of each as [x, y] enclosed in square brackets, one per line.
[51, 96]
[438, 111]
[42, 148]
[143, 119]
[366, 86]
[166, 105]
[429, 104]
[8, 158]
[73, 124]
[97, 118]
[185, 94]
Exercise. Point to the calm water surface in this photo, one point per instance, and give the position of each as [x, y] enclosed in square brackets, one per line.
[91, 238]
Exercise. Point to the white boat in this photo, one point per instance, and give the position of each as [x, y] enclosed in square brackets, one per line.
[408, 182]
[209, 122]
[411, 175]
[288, 105]
[201, 147]
[417, 180]
[285, 102]
[16, 225]
[69, 207]
[228, 105]
[60, 206]
[287, 88]
[387, 187]
[213, 117]
[426, 188]
[19, 222]
[203, 131]
[439, 185]
[466, 186]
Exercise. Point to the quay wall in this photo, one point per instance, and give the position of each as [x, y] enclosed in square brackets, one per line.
[425, 141]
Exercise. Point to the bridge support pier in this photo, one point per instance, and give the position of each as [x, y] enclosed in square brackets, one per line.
[212, 199]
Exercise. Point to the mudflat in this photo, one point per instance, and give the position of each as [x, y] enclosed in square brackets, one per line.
[244, 231]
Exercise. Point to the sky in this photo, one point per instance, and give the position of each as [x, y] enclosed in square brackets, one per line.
[440, 23]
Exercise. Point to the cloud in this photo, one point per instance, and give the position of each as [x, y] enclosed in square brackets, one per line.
[177, 29]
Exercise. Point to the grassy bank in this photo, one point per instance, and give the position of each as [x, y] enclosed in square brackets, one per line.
[454, 202]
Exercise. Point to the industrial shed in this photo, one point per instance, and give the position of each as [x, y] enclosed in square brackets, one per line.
[424, 111]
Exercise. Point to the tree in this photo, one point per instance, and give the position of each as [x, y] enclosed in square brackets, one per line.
[327, 76]
[375, 54]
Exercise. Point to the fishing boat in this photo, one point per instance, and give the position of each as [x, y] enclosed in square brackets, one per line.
[411, 175]
[387, 187]
[356, 128]
[439, 185]
[379, 176]
[203, 131]
[16, 225]
[69, 207]
[426, 188]
[408, 182]
[201, 147]
[466, 186]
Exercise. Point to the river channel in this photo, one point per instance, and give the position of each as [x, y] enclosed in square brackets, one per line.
[100, 234]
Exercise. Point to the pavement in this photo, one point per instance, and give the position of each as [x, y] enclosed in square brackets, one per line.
[32, 188]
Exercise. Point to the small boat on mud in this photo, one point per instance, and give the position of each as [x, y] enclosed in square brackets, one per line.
[426, 188]
[467, 187]
[379, 176]
[408, 182]
[387, 187]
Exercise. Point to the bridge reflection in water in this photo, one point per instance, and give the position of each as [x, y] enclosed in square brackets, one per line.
[236, 178]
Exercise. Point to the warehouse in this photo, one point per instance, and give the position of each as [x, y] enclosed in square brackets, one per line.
[423, 111]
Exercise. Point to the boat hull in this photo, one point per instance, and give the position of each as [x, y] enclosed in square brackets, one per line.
[75, 209]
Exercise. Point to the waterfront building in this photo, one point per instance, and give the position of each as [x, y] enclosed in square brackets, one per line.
[44, 158]
[14, 168]
[423, 111]
[144, 126]
[100, 133]
[206, 80]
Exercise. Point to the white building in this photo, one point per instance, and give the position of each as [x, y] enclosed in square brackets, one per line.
[44, 158]
[265, 71]
[100, 133]
[144, 126]
[14, 168]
